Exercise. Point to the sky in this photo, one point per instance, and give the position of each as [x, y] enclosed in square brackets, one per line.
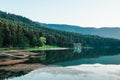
[85, 13]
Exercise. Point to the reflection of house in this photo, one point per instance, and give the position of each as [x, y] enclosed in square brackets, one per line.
[77, 47]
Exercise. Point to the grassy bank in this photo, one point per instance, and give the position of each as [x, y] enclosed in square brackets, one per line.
[31, 48]
[2, 49]
[41, 48]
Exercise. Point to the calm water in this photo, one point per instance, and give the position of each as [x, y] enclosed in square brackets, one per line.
[96, 64]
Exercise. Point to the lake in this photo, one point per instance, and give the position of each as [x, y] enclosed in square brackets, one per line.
[86, 64]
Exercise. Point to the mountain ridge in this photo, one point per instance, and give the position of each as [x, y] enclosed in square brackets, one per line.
[109, 32]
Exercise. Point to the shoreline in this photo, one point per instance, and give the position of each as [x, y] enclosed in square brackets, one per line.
[51, 49]
[13, 64]
[13, 57]
[35, 48]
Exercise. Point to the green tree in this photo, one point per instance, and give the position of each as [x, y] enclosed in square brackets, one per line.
[42, 40]
[1, 40]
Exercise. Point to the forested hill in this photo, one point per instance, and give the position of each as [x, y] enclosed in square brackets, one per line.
[18, 31]
[103, 32]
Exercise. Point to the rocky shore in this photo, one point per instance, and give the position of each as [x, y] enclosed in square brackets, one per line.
[12, 57]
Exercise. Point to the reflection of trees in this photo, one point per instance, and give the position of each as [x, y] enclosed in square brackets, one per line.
[9, 74]
[49, 57]
[38, 58]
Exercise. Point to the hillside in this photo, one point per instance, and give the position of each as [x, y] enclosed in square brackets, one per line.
[103, 32]
[18, 31]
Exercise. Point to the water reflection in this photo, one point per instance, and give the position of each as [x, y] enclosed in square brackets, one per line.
[10, 74]
[77, 47]
[86, 56]
[66, 58]
[81, 72]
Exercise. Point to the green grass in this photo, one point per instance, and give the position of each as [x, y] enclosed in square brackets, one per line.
[2, 49]
[31, 48]
[41, 48]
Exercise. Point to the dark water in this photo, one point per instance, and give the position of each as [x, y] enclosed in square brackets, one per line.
[86, 56]
[65, 58]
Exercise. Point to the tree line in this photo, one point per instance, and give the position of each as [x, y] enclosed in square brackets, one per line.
[18, 31]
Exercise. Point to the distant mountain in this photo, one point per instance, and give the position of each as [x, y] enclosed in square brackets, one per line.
[103, 32]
